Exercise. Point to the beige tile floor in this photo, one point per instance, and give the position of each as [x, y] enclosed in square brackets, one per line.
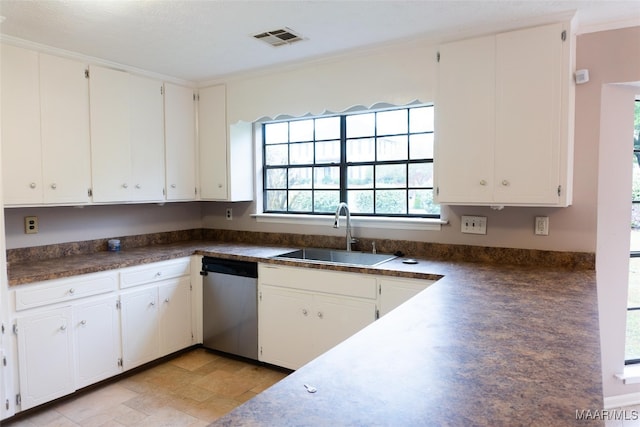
[193, 389]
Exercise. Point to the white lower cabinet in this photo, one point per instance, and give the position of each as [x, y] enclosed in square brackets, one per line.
[156, 321]
[45, 356]
[304, 312]
[96, 327]
[139, 327]
[175, 327]
[394, 292]
[156, 311]
[71, 333]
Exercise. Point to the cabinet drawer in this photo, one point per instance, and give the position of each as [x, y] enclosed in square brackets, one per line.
[60, 290]
[150, 273]
[310, 279]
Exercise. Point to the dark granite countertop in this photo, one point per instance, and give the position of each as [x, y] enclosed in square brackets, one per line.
[487, 344]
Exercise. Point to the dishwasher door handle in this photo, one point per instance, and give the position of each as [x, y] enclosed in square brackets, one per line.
[204, 273]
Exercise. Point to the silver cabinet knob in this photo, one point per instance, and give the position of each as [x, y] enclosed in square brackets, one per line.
[125, 185]
[304, 311]
[219, 185]
[72, 291]
[138, 186]
[32, 185]
[173, 186]
[320, 314]
[159, 273]
[166, 300]
[83, 322]
[483, 182]
[54, 186]
[63, 327]
[152, 303]
[505, 182]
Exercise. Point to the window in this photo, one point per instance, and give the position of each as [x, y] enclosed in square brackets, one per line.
[379, 162]
[632, 347]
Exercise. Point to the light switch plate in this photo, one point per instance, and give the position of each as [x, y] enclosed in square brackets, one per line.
[474, 224]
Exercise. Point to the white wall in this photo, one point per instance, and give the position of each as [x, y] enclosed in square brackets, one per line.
[400, 75]
[614, 217]
[69, 224]
[604, 122]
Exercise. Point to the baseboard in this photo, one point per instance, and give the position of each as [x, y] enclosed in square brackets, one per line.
[622, 400]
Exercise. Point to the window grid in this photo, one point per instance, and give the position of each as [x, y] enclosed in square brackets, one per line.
[311, 179]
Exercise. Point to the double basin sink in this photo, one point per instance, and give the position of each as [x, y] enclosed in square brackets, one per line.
[334, 256]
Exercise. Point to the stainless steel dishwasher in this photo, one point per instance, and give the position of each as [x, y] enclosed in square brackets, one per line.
[230, 306]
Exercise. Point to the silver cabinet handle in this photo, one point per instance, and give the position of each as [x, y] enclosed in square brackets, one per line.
[72, 291]
[483, 182]
[159, 273]
[32, 185]
[166, 300]
[505, 182]
[152, 303]
[83, 322]
[320, 315]
[173, 186]
[54, 186]
[304, 311]
[63, 327]
[125, 185]
[138, 186]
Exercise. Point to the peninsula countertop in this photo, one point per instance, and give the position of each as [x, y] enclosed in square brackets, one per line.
[487, 344]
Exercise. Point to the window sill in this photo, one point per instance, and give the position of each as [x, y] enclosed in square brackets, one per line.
[429, 224]
[631, 374]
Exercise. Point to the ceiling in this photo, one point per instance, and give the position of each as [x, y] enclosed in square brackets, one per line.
[200, 40]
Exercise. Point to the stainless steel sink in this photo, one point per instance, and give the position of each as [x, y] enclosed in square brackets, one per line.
[334, 256]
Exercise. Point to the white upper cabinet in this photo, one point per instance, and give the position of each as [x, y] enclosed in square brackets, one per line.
[180, 142]
[146, 120]
[127, 141]
[504, 119]
[45, 129]
[226, 156]
[66, 152]
[110, 148]
[21, 150]
[465, 121]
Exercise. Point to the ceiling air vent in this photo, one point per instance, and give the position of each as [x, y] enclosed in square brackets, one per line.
[279, 37]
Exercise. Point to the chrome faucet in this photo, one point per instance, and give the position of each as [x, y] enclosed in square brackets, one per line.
[336, 224]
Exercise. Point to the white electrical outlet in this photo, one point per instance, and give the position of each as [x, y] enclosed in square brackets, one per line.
[30, 224]
[474, 224]
[229, 214]
[542, 225]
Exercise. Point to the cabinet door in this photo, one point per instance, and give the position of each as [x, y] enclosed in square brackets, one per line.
[285, 320]
[66, 155]
[147, 139]
[336, 319]
[97, 340]
[110, 146]
[139, 319]
[175, 315]
[528, 107]
[465, 121]
[395, 292]
[45, 356]
[21, 149]
[180, 142]
[212, 131]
